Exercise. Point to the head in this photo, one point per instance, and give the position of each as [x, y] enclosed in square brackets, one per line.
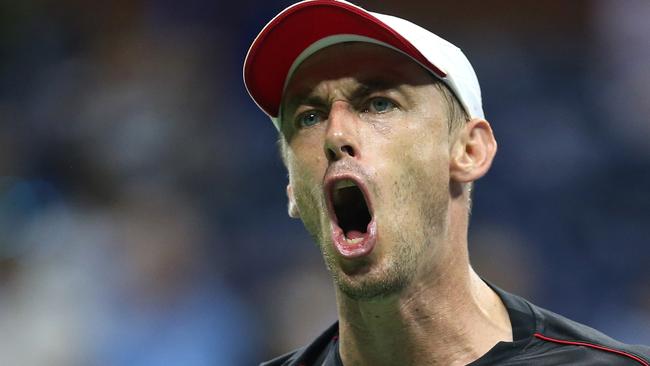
[380, 155]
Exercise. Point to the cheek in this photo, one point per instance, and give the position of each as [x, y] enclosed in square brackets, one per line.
[305, 154]
[416, 170]
[423, 170]
[417, 193]
[306, 179]
[306, 169]
[421, 149]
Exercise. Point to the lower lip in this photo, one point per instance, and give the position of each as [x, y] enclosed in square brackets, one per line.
[356, 250]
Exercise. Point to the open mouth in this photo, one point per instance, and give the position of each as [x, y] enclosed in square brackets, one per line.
[351, 210]
[353, 228]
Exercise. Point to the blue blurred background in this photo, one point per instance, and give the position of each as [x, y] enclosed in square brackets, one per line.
[142, 205]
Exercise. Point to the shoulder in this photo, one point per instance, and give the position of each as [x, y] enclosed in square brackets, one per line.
[571, 340]
[307, 355]
[542, 337]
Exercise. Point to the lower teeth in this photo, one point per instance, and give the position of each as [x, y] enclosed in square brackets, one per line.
[353, 241]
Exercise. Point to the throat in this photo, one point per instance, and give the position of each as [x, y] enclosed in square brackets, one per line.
[417, 331]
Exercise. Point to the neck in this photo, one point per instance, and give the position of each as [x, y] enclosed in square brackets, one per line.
[450, 319]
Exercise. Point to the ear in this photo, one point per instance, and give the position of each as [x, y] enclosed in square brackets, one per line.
[293, 208]
[472, 151]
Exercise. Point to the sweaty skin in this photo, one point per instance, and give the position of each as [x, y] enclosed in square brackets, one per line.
[368, 112]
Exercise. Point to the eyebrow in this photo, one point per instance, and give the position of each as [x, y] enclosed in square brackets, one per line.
[366, 88]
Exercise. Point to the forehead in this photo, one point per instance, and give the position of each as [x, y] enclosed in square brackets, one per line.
[356, 62]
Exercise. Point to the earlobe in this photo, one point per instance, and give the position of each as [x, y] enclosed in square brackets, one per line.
[472, 152]
[292, 207]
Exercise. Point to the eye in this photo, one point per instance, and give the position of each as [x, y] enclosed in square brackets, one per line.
[308, 118]
[380, 105]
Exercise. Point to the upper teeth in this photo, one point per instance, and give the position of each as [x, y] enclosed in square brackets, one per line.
[344, 184]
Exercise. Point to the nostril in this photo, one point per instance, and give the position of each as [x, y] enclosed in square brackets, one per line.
[348, 150]
[334, 153]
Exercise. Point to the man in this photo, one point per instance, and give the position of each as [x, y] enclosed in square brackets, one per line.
[383, 133]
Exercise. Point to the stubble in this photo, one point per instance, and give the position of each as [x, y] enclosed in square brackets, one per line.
[411, 225]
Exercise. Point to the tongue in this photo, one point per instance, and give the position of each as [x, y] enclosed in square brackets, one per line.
[354, 234]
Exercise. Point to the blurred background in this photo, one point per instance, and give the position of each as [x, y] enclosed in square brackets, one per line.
[142, 206]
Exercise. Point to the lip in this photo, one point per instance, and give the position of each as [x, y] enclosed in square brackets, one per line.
[345, 249]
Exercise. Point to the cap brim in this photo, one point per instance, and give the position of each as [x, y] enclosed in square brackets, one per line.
[287, 35]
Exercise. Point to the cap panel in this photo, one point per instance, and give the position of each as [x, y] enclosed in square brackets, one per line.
[460, 76]
[295, 29]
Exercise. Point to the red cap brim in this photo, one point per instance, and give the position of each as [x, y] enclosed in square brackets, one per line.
[282, 40]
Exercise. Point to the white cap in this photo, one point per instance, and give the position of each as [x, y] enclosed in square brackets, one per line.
[308, 26]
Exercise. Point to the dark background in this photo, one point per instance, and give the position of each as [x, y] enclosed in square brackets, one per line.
[142, 206]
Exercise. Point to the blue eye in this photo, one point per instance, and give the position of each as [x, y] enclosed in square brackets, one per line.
[380, 105]
[308, 119]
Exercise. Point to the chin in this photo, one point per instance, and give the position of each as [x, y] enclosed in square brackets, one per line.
[371, 290]
[378, 275]
[369, 282]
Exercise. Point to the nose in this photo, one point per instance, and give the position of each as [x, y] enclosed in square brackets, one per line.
[341, 139]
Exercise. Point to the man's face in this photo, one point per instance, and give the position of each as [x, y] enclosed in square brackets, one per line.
[368, 159]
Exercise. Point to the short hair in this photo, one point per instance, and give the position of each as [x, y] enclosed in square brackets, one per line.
[456, 115]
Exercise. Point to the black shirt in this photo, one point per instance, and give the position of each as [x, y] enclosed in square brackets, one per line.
[540, 337]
